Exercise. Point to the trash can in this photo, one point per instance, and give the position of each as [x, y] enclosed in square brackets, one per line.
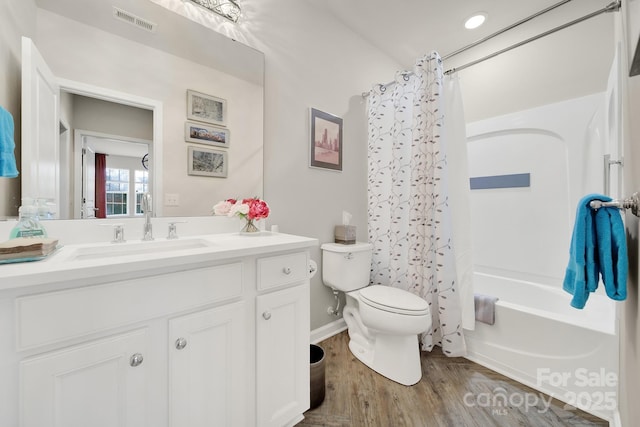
[316, 375]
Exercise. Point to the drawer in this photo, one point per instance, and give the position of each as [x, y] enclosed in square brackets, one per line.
[282, 270]
[56, 316]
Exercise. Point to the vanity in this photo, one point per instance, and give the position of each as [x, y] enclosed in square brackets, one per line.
[200, 331]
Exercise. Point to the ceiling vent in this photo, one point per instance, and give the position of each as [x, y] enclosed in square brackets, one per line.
[132, 19]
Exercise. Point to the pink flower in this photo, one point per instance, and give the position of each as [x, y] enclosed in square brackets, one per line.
[239, 208]
[250, 209]
[223, 207]
[258, 209]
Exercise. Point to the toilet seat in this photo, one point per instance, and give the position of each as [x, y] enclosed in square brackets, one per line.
[394, 300]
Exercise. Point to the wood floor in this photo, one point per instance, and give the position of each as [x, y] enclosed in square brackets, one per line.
[453, 392]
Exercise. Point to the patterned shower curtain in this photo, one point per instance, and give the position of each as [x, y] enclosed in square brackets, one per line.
[409, 214]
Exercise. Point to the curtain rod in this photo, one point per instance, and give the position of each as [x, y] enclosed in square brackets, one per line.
[505, 29]
[612, 7]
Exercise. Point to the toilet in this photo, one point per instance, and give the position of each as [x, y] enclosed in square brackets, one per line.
[383, 322]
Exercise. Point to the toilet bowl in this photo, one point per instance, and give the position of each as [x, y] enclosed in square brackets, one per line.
[383, 322]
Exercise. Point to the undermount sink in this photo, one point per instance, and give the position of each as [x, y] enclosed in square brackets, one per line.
[134, 248]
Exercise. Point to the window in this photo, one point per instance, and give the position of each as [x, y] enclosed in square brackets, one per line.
[142, 186]
[117, 191]
[119, 194]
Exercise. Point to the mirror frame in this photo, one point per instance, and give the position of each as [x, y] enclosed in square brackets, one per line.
[79, 88]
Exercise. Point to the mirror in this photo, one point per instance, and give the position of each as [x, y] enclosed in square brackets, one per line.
[88, 49]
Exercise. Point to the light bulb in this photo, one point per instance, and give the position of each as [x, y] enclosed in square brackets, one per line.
[475, 21]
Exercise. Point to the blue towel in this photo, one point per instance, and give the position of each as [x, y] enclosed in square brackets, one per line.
[7, 145]
[598, 246]
[612, 252]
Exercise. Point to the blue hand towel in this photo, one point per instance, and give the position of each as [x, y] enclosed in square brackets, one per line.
[7, 145]
[581, 276]
[612, 252]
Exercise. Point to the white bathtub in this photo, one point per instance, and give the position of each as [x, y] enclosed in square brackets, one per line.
[539, 340]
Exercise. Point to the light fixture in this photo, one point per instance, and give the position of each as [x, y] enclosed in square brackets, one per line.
[475, 21]
[228, 9]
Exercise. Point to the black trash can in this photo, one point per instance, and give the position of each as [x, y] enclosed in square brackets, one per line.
[316, 375]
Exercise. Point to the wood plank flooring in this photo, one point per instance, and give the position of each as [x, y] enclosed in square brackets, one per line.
[453, 392]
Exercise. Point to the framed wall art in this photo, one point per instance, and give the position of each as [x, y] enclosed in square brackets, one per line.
[325, 141]
[206, 134]
[207, 162]
[206, 108]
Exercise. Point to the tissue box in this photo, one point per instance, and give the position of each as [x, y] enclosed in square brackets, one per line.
[345, 234]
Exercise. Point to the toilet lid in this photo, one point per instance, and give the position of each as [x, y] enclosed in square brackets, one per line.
[393, 299]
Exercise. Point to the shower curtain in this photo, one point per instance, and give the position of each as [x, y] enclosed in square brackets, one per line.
[409, 209]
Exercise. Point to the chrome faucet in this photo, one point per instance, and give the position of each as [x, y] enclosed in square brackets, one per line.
[147, 231]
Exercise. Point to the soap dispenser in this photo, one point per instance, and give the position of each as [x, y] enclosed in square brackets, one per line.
[28, 222]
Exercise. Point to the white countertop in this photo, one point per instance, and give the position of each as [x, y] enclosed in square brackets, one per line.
[65, 266]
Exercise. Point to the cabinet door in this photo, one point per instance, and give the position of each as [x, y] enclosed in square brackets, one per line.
[207, 368]
[282, 366]
[99, 384]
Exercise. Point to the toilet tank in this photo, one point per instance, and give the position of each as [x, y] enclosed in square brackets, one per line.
[346, 267]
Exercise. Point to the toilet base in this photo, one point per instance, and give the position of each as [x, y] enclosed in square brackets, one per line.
[395, 357]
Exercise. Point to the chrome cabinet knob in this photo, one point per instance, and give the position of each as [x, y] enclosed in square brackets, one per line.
[181, 343]
[286, 270]
[266, 315]
[136, 360]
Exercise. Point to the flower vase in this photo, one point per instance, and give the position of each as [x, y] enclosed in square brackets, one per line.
[249, 228]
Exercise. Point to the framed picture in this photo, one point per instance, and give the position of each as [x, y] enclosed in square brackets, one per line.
[206, 108]
[326, 140]
[207, 162]
[206, 134]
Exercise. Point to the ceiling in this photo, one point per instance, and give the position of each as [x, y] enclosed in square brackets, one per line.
[402, 29]
[408, 29]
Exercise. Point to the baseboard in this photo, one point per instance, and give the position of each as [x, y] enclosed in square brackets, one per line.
[328, 330]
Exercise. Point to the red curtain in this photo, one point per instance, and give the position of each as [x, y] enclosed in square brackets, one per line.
[101, 185]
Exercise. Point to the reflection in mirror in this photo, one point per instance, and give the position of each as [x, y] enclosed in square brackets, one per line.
[123, 164]
[87, 46]
[123, 135]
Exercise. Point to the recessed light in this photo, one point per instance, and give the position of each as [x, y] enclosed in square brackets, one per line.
[475, 21]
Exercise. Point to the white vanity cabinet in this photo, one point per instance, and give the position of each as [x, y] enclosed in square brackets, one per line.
[214, 339]
[282, 336]
[282, 356]
[101, 383]
[207, 368]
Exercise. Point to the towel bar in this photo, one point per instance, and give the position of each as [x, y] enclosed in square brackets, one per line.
[632, 203]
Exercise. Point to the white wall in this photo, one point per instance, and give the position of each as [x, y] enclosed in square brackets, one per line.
[78, 52]
[114, 119]
[18, 15]
[311, 60]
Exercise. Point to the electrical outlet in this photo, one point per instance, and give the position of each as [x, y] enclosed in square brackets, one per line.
[171, 199]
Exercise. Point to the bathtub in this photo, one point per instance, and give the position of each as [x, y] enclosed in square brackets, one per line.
[541, 341]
